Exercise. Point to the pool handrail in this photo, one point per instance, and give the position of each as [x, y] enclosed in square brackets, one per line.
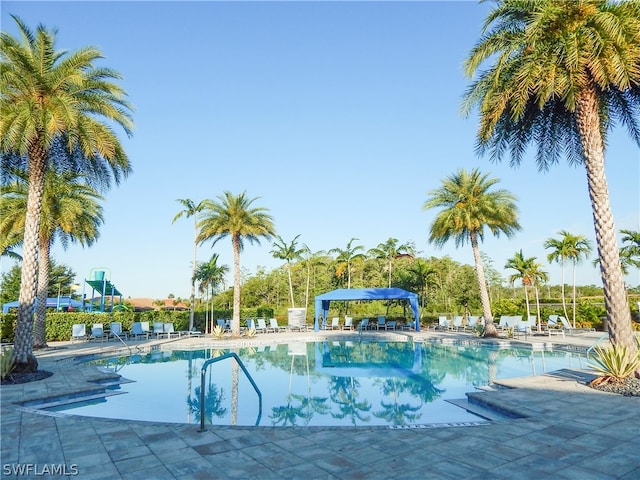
[202, 381]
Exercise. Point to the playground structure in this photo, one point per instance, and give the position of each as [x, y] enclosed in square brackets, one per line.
[100, 281]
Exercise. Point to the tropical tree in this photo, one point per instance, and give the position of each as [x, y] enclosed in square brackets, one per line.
[71, 212]
[346, 257]
[210, 276]
[287, 252]
[389, 251]
[423, 273]
[630, 251]
[46, 95]
[529, 272]
[573, 248]
[467, 209]
[561, 75]
[235, 216]
[191, 210]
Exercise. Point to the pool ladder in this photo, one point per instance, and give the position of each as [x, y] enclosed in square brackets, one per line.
[202, 381]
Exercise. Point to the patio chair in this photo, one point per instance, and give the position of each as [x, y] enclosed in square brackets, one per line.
[443, 323]
[363, 325]
[472, 323]
[262, 326]
[335, 324]
[97, 332]
[273, 324]
[554, 326]
[138, 331]
[391, 325]
[222, 324]
[457, 323]
[566, 325]
[158, 330]
[348, 323]
[78, 332]
[382, 322]
[169, 330]
[115, 331]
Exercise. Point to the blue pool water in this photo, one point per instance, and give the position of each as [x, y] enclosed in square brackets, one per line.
[329, 383]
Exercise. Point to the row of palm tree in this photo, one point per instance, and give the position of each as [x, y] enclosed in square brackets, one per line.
[558, 76]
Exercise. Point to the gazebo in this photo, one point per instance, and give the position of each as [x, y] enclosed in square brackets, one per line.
[346, 294]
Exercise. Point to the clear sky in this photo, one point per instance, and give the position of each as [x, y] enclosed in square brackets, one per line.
[340, 116]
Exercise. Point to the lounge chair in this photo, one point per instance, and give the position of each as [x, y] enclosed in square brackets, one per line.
[554, 326]
[97, 332]
[262, 326]
[273, 324]
[348, 323]
[506, 321]
[382, 322]
[222, 324]
[457, 323]
[363, 325]
[138, 331]
[115, 331]
[158, 330]
[391, 325]
[472, 323]
[170, 331]
[443, 323]
[409, 325]
[335, 324]
[78, 332]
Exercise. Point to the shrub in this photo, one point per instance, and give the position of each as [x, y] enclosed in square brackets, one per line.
[6, 362]
[614, 364]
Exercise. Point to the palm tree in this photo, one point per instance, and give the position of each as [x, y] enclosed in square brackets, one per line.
[288, 252]
[70, 212]
[191, 210]
[423, 272]
[211, 276]
[347, 256]
[468, 207]
[235, 216]
[563, 74]
[569, 247]
[559, 253]
[630, 252]
[390, 251]
[79, 95]
[522, 266]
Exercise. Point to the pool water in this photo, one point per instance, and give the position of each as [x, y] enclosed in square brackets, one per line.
[329, 383]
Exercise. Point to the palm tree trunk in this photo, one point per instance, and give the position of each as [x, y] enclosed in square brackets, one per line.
[526, 299]
[24, 360]
[40, 329]
[235, 323]
[290, 286]
[615, 298]
[538, 308]
[193, 275]
[573, 294]
[564, 304]
[489, 328]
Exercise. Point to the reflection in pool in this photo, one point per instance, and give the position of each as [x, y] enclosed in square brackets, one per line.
[328, 383]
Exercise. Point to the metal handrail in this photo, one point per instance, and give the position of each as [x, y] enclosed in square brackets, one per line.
[602, 337]
[123, 342]
[202, 380]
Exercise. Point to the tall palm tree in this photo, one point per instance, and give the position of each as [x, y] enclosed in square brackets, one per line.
[573, 248]
[630, 252]
[559, 253]
[347, 256]
[561, 75]
[522, 266]
[211, 276]
[70, 212]
[390, 251]
[235, 216]
[468, 208]
[288, 252]
[191, 210]
[81, 103]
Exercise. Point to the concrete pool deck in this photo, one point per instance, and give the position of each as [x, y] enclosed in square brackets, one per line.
[568, 431]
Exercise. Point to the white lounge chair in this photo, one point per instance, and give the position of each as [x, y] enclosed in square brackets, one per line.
[97, 332]
[115, 331]
[170, 331]
[78, 332]
[382, 322]
[348, 323]
[138, 331]
[457, 323]
[364, 324]
[273, 323]
[335, 324]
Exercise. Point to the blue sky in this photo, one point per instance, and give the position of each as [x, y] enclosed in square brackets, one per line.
[339, 116]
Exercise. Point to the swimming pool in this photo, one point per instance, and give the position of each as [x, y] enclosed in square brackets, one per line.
[327, 383]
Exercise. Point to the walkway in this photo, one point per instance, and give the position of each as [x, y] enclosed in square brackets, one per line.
[570, 432]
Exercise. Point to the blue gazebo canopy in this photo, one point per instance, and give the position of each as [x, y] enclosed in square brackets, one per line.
[52, 302]
[345, 294]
